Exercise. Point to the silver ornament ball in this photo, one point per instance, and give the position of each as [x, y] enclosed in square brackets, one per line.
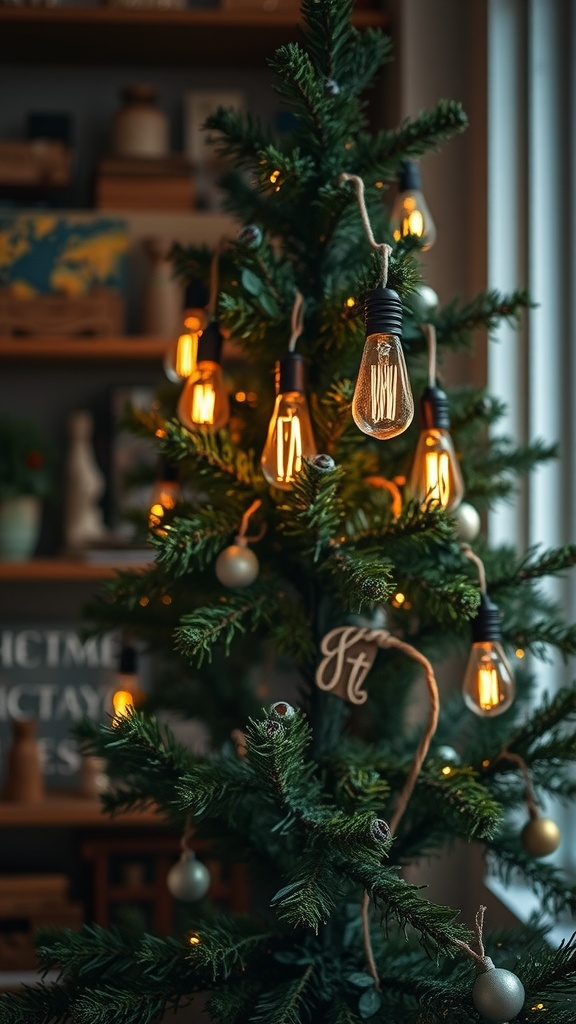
[423, 301]
[250, 236]
[325, 463]
[237, 566]
[498, 994]
[447, 754]
[467, 521]
[188, 880]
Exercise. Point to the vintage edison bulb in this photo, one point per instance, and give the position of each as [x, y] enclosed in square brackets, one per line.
[163, 498]
[436, 479]
[290, 436]
[488, 688]
[383, 405]
[204, 400]
[410, 216]
[180, 357]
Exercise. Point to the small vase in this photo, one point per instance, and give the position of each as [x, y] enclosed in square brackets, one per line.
[140, 129]
[162, 301]
[19, 527]
[24, 780]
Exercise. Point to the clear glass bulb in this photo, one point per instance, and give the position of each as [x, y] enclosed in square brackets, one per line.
[204, 399]
[436, 478]
[180, 358]
[290, 437]
[411, 217]
[162, 499]
[488, 687]
[383, 405]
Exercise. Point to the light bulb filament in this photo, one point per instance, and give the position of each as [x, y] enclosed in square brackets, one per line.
[289, 447]
[488, 689]
[203, 402]
[383, 388]
[186, 351]
[437, 479]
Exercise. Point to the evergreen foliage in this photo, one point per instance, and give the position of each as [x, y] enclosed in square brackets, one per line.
[305, 797]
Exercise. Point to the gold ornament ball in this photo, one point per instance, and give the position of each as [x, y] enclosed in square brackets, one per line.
[237, 566]
[540, 837]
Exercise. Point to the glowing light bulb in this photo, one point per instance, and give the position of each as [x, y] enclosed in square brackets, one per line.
[436, 479]
[290, 436]
[180, 357]
[164, 495]
[383, 405]
[204, 400]
[410, 215]
[488, 686]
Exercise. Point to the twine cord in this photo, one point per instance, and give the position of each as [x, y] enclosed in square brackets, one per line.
[215, 276]
[241, 537]
[508, 755]
[297, 323]
[430, 333]
[382, 247]
[384, 639]
[185, 841]
[478, 561]
[480, 956]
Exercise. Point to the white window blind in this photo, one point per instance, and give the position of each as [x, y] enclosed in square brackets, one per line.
[531, 243]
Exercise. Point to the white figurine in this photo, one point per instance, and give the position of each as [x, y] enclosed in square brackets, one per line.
[84, 486]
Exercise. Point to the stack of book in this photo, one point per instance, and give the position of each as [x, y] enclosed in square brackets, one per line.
[145, 183]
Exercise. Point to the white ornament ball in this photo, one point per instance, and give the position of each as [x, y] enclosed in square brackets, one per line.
[423, 301]
[498, 994]
[447, 754]
[540, 836]
[467, 522]
[237, 566]
[188, 880]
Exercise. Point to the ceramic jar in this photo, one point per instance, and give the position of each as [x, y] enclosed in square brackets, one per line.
[140, 128]
[20, 521]
[24, 779]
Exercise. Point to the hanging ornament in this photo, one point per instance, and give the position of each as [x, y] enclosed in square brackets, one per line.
[290, 437]
[325, 463]
[250, 236]
[410, 216]
[435, 480]
[237, 565]
[423, 302]
[447, 755]
[497, 994]
[467, 521]
[188, 880]
[380, 831]
[488, 686]
[540, 836]
[382, 405]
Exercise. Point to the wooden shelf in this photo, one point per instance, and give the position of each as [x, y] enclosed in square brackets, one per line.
[55, 570]
[53, 347]
[60, 809]
[113, 35]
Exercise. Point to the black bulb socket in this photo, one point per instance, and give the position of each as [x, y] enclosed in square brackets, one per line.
[383, 312]
[291, 374]
[195, 295]
[409, 179]
[128, 661]
[210, 344]
[486, 625]
[168, 472]
[434, 411]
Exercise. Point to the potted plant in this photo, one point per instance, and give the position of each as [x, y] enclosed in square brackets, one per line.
[25, 480]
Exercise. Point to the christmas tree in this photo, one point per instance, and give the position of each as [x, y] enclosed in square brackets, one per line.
[318, 524]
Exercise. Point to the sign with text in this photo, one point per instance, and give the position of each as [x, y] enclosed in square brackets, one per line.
[55, 676]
